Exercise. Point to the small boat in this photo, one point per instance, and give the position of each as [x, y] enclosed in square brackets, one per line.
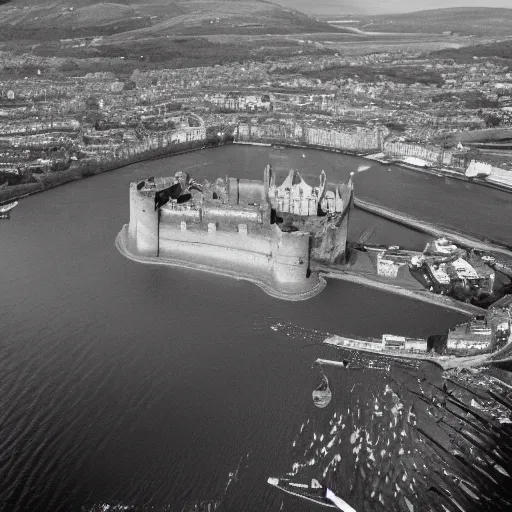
[322, 394]
[312, 492]
[6, 209]
[278, 147]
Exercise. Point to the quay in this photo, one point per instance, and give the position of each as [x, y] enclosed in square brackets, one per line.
[252, 143]
[404, 219]
[445, 362]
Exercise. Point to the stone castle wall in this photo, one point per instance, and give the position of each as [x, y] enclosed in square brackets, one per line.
[237, 238]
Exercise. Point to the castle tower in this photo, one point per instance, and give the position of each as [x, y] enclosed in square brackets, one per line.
[144, 220]
[290, 252]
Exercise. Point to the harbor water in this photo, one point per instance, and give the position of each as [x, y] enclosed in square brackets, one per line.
[168, 389]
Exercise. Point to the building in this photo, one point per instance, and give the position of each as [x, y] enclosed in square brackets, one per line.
[499, 317]
[472, 335]
[241, 228]
[394, 342]
[390, 262]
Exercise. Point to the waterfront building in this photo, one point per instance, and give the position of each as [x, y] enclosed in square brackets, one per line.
[499, 317]
[472, 335]
[390, 262]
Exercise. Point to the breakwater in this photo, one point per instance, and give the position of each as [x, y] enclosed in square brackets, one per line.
[458, 237]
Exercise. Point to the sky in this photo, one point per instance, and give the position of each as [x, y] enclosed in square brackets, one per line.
[334, 7]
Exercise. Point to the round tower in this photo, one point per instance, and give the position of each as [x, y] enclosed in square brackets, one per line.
[144, 219]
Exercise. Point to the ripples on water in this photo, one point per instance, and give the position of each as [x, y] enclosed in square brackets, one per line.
[401, 436]
[145, 387]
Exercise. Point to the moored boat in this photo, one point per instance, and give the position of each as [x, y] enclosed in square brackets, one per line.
[6, 209]
[312, 492]
[322, 394]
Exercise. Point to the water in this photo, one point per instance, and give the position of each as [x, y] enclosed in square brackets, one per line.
[146, 386]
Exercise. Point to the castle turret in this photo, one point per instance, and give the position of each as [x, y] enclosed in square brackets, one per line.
[290, 254]
[143, 227]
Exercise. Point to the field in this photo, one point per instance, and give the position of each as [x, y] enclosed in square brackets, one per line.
[479, 21]
[61, 19]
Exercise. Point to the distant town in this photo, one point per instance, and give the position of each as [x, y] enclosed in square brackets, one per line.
[426, 111]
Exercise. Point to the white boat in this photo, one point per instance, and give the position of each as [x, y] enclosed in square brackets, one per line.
[478, 169]
[6, 209]
[312, 492]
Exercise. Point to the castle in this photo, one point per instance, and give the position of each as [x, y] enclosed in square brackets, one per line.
[248, 229]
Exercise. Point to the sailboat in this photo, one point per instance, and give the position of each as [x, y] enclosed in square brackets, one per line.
[322, 395]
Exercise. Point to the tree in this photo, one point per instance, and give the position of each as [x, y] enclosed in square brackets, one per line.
[129, 85]
[92, 103]
[492, 120]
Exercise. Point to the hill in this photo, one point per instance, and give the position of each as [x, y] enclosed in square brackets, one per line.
[61, 19]
[123, 35]
[501, 50]
[478, 21]
[324, 8]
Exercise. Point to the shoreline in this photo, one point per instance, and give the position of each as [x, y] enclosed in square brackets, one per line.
[70, 178]
[445, 362]
[440, 173]
[420, 295]
[432, 171]
[121, 243]
[463, 239]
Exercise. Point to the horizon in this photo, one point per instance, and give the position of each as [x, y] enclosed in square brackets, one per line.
[369, 7]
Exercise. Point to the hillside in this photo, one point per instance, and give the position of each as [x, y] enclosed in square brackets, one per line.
[331, 9]
[124, 35]
[478, 21]
[501, 50]
[61, 19]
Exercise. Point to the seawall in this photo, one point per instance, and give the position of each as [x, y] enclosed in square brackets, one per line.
[462, 239]
[290, 292]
